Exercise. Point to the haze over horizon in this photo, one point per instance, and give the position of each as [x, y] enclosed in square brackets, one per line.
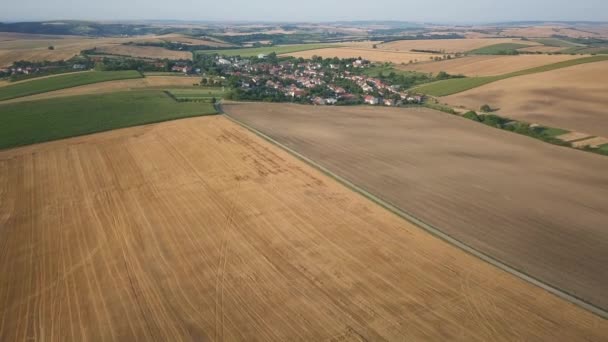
[439, 11]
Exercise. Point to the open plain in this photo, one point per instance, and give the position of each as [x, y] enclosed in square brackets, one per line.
[537, 207]
[572, 98]
[199, 230]
[487, 65]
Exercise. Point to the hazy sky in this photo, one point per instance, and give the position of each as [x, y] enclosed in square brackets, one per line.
[308, 10]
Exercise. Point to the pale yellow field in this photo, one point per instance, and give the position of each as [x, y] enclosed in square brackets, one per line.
[144, 52]
[374, 55]
[572, 98]
[488, 65]
[545, 31]
[112, 86]
[448, 45]
[593, 142]
[197, 230]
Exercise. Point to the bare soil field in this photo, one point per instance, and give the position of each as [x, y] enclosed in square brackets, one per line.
[144, 52]
[114, 86]
[540, 208]
[572, 98]
[369, 54]
[448, 45]
[593, 142]
[199, 230]
[487, 65]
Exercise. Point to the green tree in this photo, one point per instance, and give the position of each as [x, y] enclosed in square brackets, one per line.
[485, 108]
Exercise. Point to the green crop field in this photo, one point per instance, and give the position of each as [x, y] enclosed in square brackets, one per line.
[32, 122]
[499, 49]
[278, 49]
[196, 94]
[37, 86]
[555, 42]
[457, 85]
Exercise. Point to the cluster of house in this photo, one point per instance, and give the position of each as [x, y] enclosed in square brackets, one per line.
[33, 70]
[186, 69]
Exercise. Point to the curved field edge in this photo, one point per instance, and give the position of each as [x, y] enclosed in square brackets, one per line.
[458, 85]
[437, 232]
[38, 86]
[33, 122]
[280, 49]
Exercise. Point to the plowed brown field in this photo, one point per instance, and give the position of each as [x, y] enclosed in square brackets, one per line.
[488, 65]
[199, 230]
[572, 98]
[540, 208]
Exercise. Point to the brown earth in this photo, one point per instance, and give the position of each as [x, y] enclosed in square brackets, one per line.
[448, 45]
[113, 86]
[572, 98]
[199, 230]
[540, 208]
[487, 65]
[373, 55]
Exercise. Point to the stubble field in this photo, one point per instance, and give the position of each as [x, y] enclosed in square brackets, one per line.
[572, 98]
[488, 65]
[374, 55]
[199, 230]
[144, 52]
[535, 206]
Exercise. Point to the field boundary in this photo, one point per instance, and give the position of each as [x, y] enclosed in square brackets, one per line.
[425, 226]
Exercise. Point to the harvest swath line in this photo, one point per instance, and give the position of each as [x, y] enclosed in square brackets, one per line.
[429, 228]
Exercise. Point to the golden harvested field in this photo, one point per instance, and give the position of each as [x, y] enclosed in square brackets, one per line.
[369, 54]
[593, 142]
[537, 207]
[487, 65]
[572, 98]
[448, 45]
[144, 52]
[114, 86]
[199, 230]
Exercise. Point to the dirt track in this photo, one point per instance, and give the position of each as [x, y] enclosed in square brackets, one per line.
[537, 207]
[572, 98]
[198, 230]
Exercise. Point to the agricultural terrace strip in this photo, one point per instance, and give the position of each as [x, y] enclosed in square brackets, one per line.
[199, 230]
[278, 49]
[38, 121]
[152, 52]
[196, 94]
[487, 65]
[498, 49]
[148, 82]
[453, 86]
[572, 98]
[480, 198]
[42, 85]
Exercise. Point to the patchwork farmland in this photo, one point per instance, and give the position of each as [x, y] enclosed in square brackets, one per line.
[487, 65]
[449, 45]
[466, 179]
[199, 230]
[369, 54]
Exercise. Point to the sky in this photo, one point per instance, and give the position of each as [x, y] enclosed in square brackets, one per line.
[436, 11]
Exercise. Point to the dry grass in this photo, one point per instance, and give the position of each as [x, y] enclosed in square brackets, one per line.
[199, 230]
[114, 86]
[447, 45]
[572, 98]
[488, 65]
[144, 52]
[572, 136]
[369, 54]
[537, 207]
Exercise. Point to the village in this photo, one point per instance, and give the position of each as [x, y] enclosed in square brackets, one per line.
[317, 81]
